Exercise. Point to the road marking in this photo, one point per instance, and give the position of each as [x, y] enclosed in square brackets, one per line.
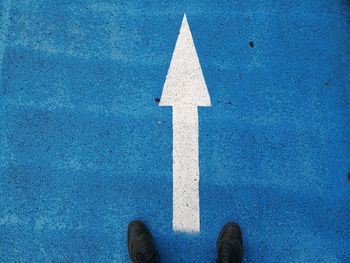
[185, 90]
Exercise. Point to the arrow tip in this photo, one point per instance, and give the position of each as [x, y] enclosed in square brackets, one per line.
[185, 84]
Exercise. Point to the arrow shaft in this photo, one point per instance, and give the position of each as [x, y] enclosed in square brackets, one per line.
[185, 169]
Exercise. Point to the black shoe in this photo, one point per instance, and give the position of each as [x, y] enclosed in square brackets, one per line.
[230, 245]
[140, 243]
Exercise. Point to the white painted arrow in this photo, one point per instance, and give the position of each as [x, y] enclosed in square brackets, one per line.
[185, 90]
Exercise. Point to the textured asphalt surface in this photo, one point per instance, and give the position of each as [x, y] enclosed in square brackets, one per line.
[85, 148]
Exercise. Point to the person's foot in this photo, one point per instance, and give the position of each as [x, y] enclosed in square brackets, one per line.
[230, 245]
[140, 243]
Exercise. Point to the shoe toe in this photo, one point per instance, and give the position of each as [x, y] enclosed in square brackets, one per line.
[230, 232]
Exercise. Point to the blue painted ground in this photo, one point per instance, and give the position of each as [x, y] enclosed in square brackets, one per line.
[85, 148]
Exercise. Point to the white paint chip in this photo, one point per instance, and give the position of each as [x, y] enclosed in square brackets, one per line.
[185, 90]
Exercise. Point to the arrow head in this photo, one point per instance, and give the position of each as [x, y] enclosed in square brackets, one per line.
[185, 84]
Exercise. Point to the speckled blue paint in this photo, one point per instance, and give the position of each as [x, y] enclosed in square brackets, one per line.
[85, 148]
